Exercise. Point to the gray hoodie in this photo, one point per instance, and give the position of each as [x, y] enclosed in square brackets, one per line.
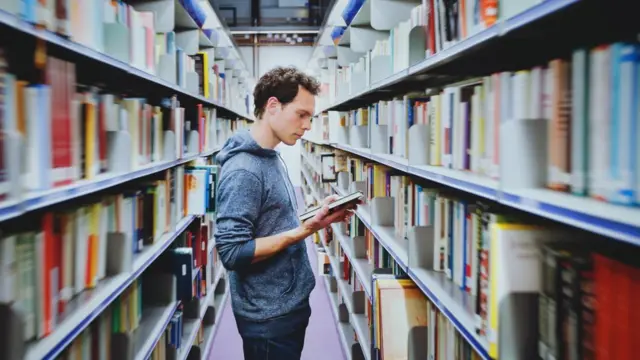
[256, 199]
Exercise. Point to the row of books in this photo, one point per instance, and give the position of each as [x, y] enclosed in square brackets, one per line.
[55, 133]
[111, 334]
[50, 258]
[580, 111]
[399, 308]
[492, 254]
[136, 34]
[394, 292]
[442, 24]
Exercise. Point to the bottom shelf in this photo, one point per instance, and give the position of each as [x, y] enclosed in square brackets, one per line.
[343, 328]
[152, 324]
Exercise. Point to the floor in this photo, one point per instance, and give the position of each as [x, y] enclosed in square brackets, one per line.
[321, 343]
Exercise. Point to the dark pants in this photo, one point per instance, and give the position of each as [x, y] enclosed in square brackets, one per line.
[284, 347]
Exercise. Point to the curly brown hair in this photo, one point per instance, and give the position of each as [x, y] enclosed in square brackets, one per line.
[282, 83]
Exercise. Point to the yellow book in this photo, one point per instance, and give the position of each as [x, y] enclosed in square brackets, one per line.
[205, 73]
[90, 138]
[94, 221]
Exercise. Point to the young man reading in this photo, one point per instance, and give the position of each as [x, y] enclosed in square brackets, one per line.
[258, 235]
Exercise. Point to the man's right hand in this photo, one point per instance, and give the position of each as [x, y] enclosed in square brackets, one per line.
[323, 218]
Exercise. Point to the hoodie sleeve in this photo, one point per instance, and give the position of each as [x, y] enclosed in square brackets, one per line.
[239, 198]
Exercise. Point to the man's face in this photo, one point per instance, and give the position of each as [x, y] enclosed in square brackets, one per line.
[289, 122]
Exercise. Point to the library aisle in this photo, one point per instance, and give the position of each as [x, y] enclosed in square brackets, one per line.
[321, 341]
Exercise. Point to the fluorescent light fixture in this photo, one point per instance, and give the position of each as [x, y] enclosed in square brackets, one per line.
[273, 31]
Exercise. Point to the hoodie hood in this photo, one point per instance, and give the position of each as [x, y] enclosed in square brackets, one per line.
[240, 142]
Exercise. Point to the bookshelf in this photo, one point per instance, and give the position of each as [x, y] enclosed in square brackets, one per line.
[107, 176]
[488, 143]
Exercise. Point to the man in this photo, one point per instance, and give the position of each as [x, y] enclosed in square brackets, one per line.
[258, 234]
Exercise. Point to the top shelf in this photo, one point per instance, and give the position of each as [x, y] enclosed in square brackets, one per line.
[509, 43]
[75, 49]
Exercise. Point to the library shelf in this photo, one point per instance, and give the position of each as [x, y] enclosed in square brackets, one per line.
[615, 221]
[611, 220]
[314, 164]
[503, 27]
[25, 27]
[37, 200]
[210, 330]
[152, 325]
[358, 321]
[385, 234]
[362, 268]
[454, 303]
[87, 306]
[343, 328]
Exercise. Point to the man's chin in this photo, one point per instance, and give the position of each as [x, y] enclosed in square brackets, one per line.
[290, 142]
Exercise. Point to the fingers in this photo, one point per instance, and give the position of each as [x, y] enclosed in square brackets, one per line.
[339, 216]
[329, 199]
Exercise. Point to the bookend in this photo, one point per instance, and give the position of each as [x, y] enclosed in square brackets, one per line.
[518, 326]
[358, 186]
[12, 345]
[356, 352]
[192, 82]
[116, 41]
[333, 284]
[191, 309]
[421, 247]
[379, 139]
[418, 152]
[166, 68]
[119, 150]
[195, 353]
[381, 68]
[343, 313]
[343, 180]
[523, 145]
[417, 45]
[382, 211]
[119, 255]
[418, 346]
[169, 151]
[359, 136]
[209, 316]
[357, 299]
[221, 287]
[193, 142]
[359, 247]
[341, 228]
[164, 12]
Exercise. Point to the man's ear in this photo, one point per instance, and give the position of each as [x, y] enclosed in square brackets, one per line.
[273, 105]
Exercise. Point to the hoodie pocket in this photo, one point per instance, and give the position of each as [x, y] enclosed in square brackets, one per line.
[269, 280]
